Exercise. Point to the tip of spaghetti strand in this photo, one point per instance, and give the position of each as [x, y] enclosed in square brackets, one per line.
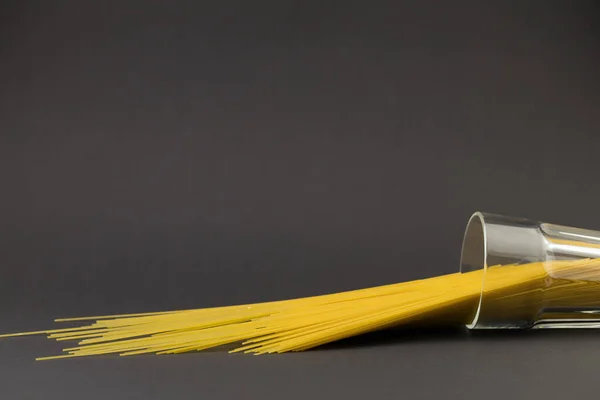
[99, 317]
[57, 357]
[8, 335]
[47, 332]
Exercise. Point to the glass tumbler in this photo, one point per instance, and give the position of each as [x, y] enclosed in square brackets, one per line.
[561, 266]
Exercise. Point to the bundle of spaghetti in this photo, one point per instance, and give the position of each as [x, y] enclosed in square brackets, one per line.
[304, 323]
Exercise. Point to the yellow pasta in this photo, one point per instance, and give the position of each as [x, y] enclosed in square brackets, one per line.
[509, 291]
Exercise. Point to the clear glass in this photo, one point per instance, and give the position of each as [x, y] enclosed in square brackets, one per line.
[559, 298]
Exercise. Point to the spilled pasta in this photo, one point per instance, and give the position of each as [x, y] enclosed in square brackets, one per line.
[508, 291]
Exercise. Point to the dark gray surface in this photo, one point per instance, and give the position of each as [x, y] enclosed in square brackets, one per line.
[158, 156]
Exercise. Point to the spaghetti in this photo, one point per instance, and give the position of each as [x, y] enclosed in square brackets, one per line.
[304, 323]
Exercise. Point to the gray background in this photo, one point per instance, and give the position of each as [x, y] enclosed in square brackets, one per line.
[167, 155]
